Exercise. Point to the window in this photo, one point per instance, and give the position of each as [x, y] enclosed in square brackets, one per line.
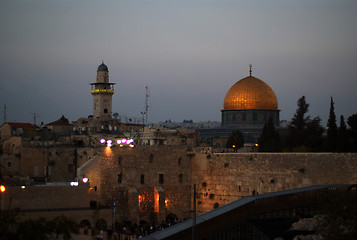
[120, 178]
[180, 178]
[151, 158]
[105, 110]
[9, 164]
[161, 178]
[119, 160]
[179, 161]
[142, 179]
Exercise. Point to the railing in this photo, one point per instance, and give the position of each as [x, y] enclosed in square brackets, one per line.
[249, 207]
[102, 91]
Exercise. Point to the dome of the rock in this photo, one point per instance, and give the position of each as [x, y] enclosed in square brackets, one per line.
[250, 93]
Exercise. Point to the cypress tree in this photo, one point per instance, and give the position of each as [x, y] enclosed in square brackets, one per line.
[331, 144]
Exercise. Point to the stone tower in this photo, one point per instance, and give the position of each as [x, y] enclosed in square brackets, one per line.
[102, 92]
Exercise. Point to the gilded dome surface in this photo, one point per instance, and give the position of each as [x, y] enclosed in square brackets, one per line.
[250, 93]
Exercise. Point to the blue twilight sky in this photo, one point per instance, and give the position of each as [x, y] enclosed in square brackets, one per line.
[189, 53]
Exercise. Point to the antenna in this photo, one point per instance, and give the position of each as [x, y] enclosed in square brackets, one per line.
[145, 113]
[147, 104]
[34, 118]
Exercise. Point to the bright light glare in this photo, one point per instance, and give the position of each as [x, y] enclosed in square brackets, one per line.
[102, 140]
[85, 180]
[129, 141]
[131, 145]
[74, 184]
[123, 140]
[2, 188]
[118, 141]
[23, 186]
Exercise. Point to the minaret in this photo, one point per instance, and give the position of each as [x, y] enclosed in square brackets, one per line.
[102, 92]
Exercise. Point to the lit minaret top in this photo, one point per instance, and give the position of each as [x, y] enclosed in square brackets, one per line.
[102, 92]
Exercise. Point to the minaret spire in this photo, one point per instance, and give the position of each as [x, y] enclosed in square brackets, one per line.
[250, 70]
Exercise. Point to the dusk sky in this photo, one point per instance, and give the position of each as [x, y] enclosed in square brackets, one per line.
[189, 53]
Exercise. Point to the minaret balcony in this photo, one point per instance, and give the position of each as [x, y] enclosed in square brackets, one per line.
[103, 91]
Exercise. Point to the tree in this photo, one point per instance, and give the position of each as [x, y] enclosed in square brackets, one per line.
[313, 135]
[61, 225]
[304, 133]
[8, 224]
[352, 122]
[331, 142]
[235, 140]
[116, 115]
[33, 229]
[342, 136]
[296, 129]
[299, 120]
[269, 140]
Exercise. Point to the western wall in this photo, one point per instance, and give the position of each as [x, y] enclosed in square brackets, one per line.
[221, 178]
[132, 176]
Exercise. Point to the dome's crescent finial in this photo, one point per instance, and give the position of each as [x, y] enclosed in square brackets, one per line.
[250, 70]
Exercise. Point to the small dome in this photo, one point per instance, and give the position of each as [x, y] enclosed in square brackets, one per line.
[250, 93]
[102, 67]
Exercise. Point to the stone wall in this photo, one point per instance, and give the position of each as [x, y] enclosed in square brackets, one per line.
[221, 178]
[130, 176]
[46, 197]
[50, 201]
[60, 161]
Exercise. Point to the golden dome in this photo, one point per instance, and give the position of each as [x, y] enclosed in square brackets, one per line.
[250, 93]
